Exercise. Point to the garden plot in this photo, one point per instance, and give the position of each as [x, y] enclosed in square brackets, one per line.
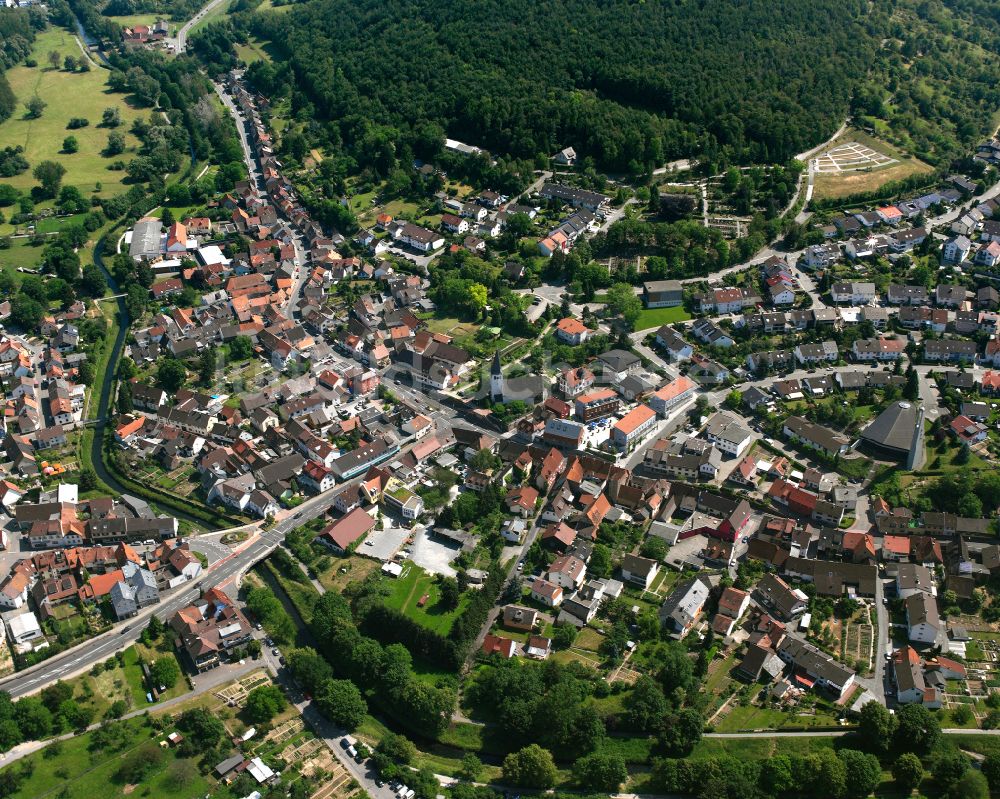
[850, 157]
[858, 640]
[286, 731]
[302, 751]
[236, 695]
[340, 784]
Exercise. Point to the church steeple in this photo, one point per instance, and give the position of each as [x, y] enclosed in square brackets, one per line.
[496, 379]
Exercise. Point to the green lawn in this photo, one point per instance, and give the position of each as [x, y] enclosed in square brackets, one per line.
[253, 51]
[759, 748]
[80, 94]
[131, 20]
[406, 594]
[655, 317]
[741, 719]
[74, 771]
[214, 15]
[974, 652]
[20, 254]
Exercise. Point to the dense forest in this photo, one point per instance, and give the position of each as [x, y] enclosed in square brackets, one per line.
[630, 84]
[934, 87]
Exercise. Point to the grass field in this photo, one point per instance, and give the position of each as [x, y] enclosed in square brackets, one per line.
[214, 15]
[841, 185]
[124, 682]
[449, 325]
[253, 50]
[655, 317]
[355, 569]
[131, 20]
[407, 592]
[80, 94]
[78, 772]
[20, 254]
[740, 719]
[759, 748]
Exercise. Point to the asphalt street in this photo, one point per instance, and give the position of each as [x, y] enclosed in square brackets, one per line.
[222, 573]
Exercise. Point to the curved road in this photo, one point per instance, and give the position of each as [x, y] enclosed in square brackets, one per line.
[107, 388]
[97, 446]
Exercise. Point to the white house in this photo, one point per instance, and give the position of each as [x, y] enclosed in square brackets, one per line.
[728, 434]
[672, 394]
[956, 249]
[639, 571]
[922, 621]
[633, 426]
[24, 628]
[567, 571]
[571, 331]
[853, 293]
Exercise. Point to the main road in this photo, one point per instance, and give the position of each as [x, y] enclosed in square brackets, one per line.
[228, 570]
[180, 42]
[257, 179]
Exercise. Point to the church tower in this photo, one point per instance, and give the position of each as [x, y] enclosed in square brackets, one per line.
[496, 379]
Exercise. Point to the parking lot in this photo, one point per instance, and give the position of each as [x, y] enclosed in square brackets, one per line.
[434, 555]
[383, 544]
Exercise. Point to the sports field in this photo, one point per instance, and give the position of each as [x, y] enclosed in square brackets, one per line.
[76, 94]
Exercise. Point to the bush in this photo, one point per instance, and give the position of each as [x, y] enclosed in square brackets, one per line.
[139, 764]
[398, 748]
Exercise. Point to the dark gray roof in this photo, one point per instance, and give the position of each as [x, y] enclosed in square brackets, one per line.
[894, 427]
[618, 360]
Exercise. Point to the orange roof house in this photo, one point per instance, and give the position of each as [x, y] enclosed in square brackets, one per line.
[177, 238]
[100, 585]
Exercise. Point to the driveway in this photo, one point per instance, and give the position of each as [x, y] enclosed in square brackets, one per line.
[383, 544]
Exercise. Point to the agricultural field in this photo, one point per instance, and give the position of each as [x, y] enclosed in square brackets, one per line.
[67, 95]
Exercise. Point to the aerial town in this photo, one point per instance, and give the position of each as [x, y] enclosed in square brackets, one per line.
[477, 497]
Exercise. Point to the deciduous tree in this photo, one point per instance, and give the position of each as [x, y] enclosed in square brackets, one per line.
[531, 767]
[342, 703]
[49, 175]
[908, 771]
